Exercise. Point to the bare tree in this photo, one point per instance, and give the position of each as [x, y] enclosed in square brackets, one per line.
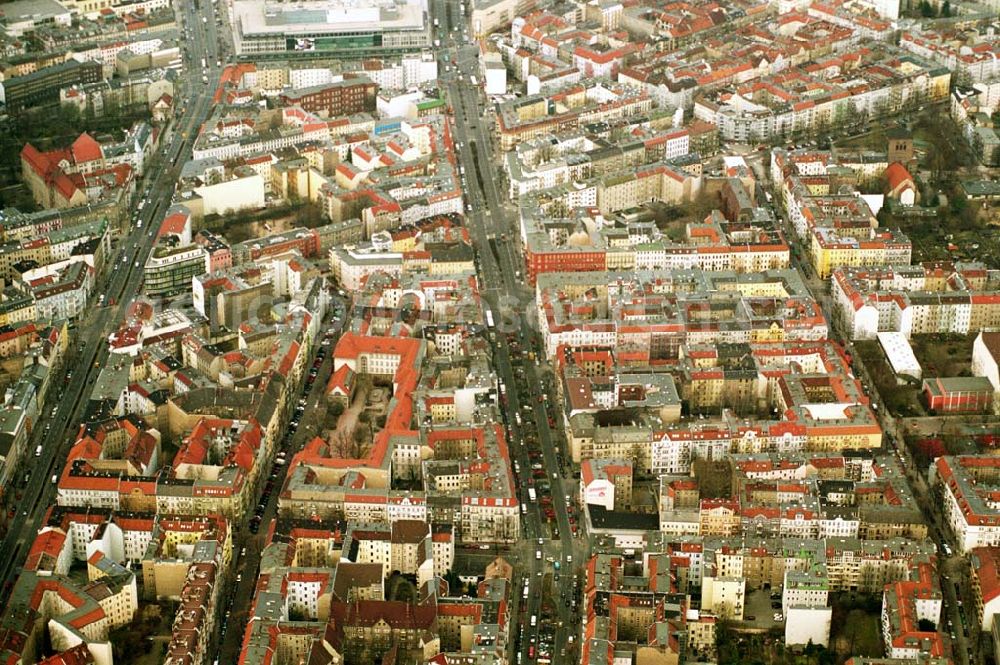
[715, 478]
[345, 444]
[739, 398]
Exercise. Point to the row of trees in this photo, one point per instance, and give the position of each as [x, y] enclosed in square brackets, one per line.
[733, 648]
[927, 10]
[236, 225]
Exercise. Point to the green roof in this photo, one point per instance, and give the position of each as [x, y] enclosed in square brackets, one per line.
[429, 104]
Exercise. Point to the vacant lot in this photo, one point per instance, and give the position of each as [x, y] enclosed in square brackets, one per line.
[856, 634]
[938, 355]
[943, 355]
[243, 225]
[901, 400]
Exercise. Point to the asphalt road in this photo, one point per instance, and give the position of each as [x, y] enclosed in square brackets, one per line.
[247, 562]
[122, 280]
[964, 650]
[505, 292]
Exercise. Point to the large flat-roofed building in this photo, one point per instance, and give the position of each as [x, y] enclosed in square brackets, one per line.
[329, 26]
[492, 15]
[42, 86]
[23, 16]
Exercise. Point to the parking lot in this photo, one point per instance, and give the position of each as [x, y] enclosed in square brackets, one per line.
[758, 613]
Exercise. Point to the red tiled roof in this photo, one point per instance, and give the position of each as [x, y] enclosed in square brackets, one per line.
[86, 149]
[38, 161]
[65, 185]
[174, 224]
[897, 175]
[78, 655]
[986, 564]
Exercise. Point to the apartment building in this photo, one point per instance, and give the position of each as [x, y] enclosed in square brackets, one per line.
[171, 267]
[651, 315]
[801, 100]
[970, 57]
[929, 298]
[566, 109]
[904, 605]
[179, 557]
[652, 609]
[840, 228]
[221, 457]
[312, 599]
[349, 95]
[983, 582]
[480, 498]
[606, 482]
[968, 484]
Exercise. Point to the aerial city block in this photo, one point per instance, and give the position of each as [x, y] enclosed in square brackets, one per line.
[500, 332]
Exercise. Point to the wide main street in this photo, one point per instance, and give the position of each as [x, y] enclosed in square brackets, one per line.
[511, 302]
[122, 282]
[505, 294]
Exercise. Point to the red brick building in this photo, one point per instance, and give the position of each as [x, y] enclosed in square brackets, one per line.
[354, 94]
[561, 260]
[958, 395]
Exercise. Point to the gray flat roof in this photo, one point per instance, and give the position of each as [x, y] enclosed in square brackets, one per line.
[20, 10]
[981, 187]
[259, 17]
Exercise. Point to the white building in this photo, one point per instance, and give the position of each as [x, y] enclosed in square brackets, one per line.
[398, 105]
[494, 74]
[308, 77]
[231, 195]
[599, 491]
[810, 588]
[900, 354]
[808, 624]
[350, 266]
[723, 596]
[418, 68]
[412, 70]
[965, 483]
[985, 351]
